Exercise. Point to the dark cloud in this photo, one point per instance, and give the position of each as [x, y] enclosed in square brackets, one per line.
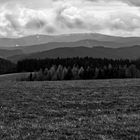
[50, 30]
[133, 2]
[35, 24]
[12, 22]
[69, 22]
[130, 2]
[40, 24]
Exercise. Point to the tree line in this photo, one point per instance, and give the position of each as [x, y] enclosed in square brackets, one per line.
[79, 68]
[73, 68]
[7, 67]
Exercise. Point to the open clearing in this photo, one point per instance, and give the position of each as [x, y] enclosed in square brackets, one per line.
[73, 110]
[13, 76]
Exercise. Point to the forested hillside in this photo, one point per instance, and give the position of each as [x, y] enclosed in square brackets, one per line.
[6, 66]
[79, 68]
[95, 52]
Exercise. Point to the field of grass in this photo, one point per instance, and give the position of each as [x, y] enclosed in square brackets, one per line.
[70, 110]
[14, 77]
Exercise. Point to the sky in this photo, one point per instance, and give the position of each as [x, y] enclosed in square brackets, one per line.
[28, 17]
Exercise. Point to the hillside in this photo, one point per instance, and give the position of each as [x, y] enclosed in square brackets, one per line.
[95, 52]
[11, 43]
[7, 53]
[53, 45]
[13, 77]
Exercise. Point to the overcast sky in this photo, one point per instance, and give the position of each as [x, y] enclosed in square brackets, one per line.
[27, 17]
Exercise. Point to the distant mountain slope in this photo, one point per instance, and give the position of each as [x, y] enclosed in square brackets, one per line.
[53, 45]
[8, 53]
[43, 39]
[95, 52]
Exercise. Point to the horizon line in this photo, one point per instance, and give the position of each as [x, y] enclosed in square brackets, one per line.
[67, 34]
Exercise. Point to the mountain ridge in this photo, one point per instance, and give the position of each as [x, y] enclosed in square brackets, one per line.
[8, 43]
[53, 45]
[81, 51]
[7, 53]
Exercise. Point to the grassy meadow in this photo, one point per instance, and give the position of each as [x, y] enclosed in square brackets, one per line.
[70, 110]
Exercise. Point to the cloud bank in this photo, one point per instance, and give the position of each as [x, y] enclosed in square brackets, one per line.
[114, 17]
